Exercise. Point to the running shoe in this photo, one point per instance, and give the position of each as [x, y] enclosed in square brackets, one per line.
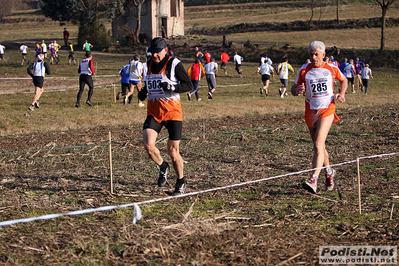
[189, 96]
[282, 96]
[330, 180]
[163, 176]
[118, 96]
[88, 102]
[31, 107]
[180, 187]
[77, 105]
[141, 104]
[199, 99]
[37, 104]
[210, 96]
[310, 184]
[261, 91]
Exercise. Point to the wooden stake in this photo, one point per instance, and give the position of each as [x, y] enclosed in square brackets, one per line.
[110, 163]
[113, 87]
[358, 185]
[393, 205]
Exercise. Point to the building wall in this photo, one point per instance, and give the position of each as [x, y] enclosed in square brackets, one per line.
[163, 18]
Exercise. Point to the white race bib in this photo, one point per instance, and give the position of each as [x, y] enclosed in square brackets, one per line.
[319, 88]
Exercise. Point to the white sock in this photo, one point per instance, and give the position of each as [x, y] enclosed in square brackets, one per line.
[329, 170]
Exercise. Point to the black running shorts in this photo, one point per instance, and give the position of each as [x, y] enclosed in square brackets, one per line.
[174, 127]
[265, 77]
[38, 81]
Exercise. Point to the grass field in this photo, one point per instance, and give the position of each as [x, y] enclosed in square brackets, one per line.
[56, 160]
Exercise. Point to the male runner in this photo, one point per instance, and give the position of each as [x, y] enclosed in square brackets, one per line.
[283, 69]
[24, 50]
[316, 79]
[265, 70]
[40, 69]
[86, 70]
[211, 70]
[136, 71]
[224, 58]
[165, 79]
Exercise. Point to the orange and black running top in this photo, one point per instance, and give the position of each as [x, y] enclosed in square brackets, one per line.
[166, 105]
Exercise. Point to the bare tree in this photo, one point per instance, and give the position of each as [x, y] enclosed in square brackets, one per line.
[384, 5]
[312, 3]
[138, 4]
[337, 11]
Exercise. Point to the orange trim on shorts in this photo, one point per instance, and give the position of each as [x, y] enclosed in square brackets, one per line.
[312, 116]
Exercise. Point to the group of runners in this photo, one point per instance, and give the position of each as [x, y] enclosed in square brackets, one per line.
[166, 79]
[39, 68]
[354, 70]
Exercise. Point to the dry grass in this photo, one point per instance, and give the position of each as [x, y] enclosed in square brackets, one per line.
[265, 224]
[211, 18]
[240, 95]
[347, 38]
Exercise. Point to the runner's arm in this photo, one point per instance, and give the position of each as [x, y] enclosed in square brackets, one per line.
[30, 67]
[182, 76]
[47, 67]
[343, 84]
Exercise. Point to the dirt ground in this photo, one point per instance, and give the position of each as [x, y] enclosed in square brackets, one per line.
[268, 223]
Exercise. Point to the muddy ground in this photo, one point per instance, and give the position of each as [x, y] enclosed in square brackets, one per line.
[267, 223]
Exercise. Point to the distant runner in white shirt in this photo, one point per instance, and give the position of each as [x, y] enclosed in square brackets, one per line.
[44, 49]
[238, 59]
[283, 69]
[24, 50]
[211, 70]
[2, 49]
[265, 70]
[40, 69]
[136, 76]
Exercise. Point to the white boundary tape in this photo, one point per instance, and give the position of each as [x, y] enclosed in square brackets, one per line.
[137, 215]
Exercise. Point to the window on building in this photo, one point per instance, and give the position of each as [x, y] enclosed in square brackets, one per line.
[174, 8]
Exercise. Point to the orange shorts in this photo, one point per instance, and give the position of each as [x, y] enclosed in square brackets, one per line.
[312, 116]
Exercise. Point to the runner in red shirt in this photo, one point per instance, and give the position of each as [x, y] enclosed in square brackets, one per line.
[224, 58]
[196, 71]
[208, 57]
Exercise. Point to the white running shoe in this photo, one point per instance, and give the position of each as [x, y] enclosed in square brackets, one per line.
[141, 104]
[311, 184]
[330, 180]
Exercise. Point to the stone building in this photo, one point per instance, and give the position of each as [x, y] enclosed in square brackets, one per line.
[159, 18]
